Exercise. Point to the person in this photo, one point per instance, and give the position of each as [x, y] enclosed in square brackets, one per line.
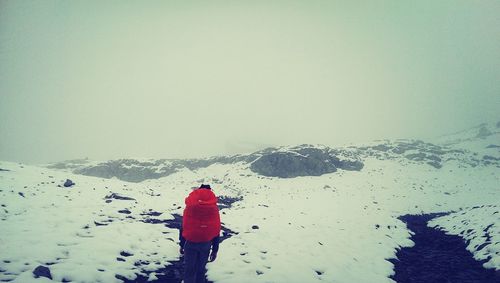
[200, 233]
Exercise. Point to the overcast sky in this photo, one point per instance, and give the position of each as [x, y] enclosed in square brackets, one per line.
[112, 79]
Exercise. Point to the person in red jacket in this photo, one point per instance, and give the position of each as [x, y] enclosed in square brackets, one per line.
[199, 233]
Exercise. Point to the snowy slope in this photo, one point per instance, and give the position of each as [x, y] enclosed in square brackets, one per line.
[337, 227]
[481, 131]
[74, 230]
[483, 139]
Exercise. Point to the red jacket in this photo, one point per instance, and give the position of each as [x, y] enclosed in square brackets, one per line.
[201, 219]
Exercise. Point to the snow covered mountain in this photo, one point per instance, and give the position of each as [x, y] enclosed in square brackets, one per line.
[473, 147]
[303, 213]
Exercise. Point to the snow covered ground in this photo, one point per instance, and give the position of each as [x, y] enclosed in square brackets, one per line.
[338, 227]
[73, 230]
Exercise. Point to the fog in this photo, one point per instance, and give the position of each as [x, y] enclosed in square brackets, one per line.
[175, 79]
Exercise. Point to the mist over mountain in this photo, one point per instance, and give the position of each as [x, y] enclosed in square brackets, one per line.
[312, 160]
[190, 80]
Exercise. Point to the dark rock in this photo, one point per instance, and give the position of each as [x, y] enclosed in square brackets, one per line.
[290, 165]
[126, 254]
[483, 132]
[434, 158]
[227, 201]
[68, 183]
[435, 164]
[117, 196]
[303, 160]
[381, 147]
[121, 277]
[21, 194]
[351, 165]
[1, 169]
[489, 157]
[42, 271]
[141, 262]
[154, 221]
[99, 224]
[125, 211]
[152, 213]
[417, 156]
[255, 227]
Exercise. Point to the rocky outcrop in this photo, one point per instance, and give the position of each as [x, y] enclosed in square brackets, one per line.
[68, 183]
[289, 165]
[42, 271]
[132, 170]
[301, 161]
[483, 132]
[420, 152]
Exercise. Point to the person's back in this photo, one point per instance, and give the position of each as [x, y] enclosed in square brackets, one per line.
[199, 233]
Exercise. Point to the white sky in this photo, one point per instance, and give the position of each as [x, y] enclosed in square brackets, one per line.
[113, 79]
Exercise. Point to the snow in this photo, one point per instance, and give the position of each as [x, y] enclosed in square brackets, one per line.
[468, 134]
[47, 227]
[338, 227]
[343, 218]
[479, 226]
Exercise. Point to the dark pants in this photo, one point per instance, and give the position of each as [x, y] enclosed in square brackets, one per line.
[195, 259]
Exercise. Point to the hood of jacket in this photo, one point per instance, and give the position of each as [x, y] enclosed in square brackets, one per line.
[201, 197]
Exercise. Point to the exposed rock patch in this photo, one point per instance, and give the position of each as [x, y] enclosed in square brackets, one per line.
[118, 197]
[42, 271]
[302, 160]
[68, 183]
[422, 152]
[124, 211]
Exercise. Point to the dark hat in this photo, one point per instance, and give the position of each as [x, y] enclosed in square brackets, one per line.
[205, 186]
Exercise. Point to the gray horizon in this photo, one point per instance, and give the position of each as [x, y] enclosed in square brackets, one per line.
[109, 79]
